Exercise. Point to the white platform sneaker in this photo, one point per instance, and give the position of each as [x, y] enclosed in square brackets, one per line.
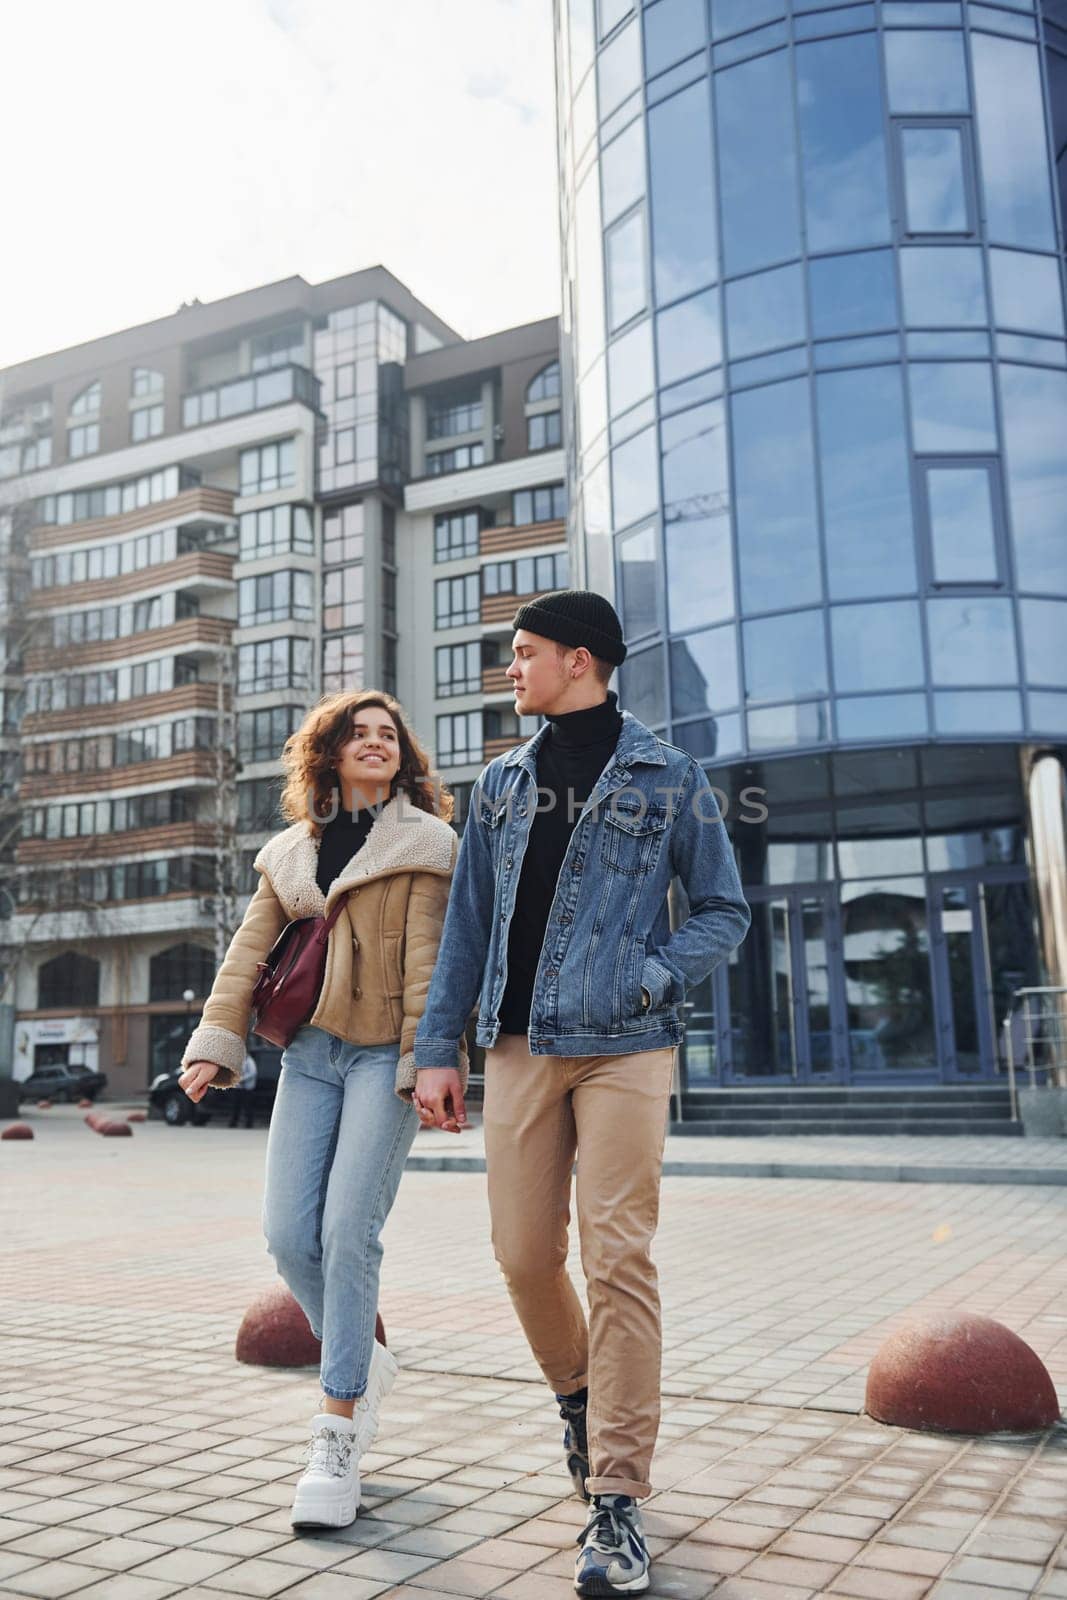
[382, 1376]
[327, 1495]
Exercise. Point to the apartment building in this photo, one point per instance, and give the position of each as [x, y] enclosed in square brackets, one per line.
[199, 520]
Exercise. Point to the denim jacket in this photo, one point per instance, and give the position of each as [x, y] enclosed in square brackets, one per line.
[652, 814]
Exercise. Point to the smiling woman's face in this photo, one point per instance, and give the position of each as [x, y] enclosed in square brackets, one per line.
[369, 759]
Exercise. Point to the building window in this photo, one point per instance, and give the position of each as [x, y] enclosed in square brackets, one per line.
[457, 601]
[68, 980]
[342, 598]
[146, 423]
[145, 381]
[389, 664]
[961, 504]
[447, 417]
[342, 662]
[539, 505]
[456, 534]
[183, 966]
[527, 575]
[279, 349]
[261, 734]
[267, 467]
[274, 664]
[545, 386]
[459, 739]
[274, 597]
[935, 177]
[458, 459]
[83, 440]
[388, 533]
[86, 403]
[276, 531]
[114, 498]
[389, 599]
[458, 668]
[342, 535]
[543, 431]
[257, 805]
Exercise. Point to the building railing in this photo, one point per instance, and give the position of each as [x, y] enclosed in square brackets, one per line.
[1035, 1037]
[254, 392]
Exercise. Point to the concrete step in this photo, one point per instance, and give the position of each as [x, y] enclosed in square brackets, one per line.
[739, 1128]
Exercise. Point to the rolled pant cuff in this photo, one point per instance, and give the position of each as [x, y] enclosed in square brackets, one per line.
[342, 1394]
[572, 1385]
[634, 1487]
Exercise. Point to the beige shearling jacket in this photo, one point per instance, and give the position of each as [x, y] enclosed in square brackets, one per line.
[381, 950]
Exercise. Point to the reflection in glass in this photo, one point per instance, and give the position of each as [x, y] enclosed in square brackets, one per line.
[618, 69]
[976, 829]
[1027, 347]
[935, 195]
[782, 727]
[700, 570]
[774, 485]
[882, 716]
[630, 368]
[752, 43]
[857, 352]
[972, 640]
[877, 646]
[622, 170]
[1044, 624]
[1009, 112]
[695, 482]
[763, 369]
[962, 533]
[589, 286]
[949, 346]
[592, 404]
[641, 689]
[612, 13]
[625, 256]
[991, 711]
[898, 13]
[765, 311]
[1048, 714]
[685, 242]
[673, 30]
[704, 671]
[926, 72]
[785, 656]
[1013, 961]
[870, 545]
[732, 16]
[757, 163]
[838, 19]
[582, 37]
[637, 583]
[1027, 292]
[688, 337]
[943, 286]
[680, 396]
[887, 976]
[846, 193]
[634, 478]
[878, 836]
[952, 406]
[763, 1040]
[1034, 408]
[710, 738]
[852, 294]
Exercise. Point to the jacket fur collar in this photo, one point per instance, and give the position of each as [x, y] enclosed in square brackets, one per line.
[402, 839]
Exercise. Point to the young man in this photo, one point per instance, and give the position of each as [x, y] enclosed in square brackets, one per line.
[558, 925]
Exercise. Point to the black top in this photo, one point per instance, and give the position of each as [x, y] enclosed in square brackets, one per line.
[341, 838]
[570, 759]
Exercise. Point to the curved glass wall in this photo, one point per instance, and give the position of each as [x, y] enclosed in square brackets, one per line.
[815, 358]
[815, 332]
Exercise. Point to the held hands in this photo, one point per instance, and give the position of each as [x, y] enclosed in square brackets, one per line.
[197, 1078]
[438, 1099]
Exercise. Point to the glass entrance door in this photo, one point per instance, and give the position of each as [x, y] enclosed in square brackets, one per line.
[779, 1000]
[983, 948]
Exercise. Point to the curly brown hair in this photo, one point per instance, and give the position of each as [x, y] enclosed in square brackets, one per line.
[309, 754]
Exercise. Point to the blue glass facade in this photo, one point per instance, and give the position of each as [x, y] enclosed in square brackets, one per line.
[816, 350]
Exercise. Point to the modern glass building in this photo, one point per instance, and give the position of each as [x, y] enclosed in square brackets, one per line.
[814, 349]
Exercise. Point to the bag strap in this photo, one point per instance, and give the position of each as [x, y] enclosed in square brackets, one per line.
[328, 922]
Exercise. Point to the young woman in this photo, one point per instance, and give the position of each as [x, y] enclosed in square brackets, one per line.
[367, 817]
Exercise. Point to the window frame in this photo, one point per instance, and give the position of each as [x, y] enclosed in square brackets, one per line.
[931, 585]
[962, 124]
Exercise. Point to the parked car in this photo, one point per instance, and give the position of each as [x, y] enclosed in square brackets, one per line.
[61, 1082]
[166, 1098]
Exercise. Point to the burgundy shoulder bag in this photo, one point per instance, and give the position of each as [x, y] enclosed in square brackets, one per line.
[290, 979]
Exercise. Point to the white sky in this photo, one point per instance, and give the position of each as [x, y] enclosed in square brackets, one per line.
[158, 150]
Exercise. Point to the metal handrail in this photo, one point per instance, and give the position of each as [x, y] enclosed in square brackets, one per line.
[1040, 1011]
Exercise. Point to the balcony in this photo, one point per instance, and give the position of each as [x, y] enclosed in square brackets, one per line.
[197, 765]
[191, 636]
[495, 683]
[185, 697]
[256, 392]
[497, 610]
[501, 745]
[199, 504]
[199, 570]
[100, 847]
[499, 541]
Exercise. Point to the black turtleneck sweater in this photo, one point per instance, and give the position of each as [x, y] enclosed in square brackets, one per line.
[570, 759]
[341, 838]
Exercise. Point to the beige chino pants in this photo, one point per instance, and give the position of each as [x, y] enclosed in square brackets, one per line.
[611, 1112]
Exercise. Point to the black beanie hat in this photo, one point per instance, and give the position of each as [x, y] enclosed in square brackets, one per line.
[575, 617]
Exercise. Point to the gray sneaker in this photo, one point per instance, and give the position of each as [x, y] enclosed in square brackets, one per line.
[614, 1557]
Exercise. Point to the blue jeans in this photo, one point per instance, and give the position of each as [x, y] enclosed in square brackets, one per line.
[339, 1138]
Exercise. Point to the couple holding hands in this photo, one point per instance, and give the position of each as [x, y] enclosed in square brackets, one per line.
[550, 915]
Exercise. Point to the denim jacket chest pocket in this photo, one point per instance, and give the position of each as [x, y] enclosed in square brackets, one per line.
[632, 836]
